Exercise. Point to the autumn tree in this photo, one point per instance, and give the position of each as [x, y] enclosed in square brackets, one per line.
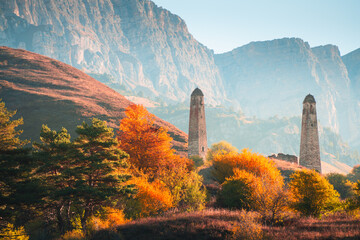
[311, 193]
[150, 152]
[9, 139]
[148, 145]
[221, 147]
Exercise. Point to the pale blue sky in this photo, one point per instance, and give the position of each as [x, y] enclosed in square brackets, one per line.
[223, 25]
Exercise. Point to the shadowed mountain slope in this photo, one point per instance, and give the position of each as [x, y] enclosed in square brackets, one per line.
[47, 91]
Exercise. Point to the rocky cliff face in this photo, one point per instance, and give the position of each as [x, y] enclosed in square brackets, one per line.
[145, 48]
[352, 63]
[272, 78]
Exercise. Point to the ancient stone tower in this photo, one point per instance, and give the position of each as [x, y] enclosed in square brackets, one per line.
[309, 145]
[197, 125]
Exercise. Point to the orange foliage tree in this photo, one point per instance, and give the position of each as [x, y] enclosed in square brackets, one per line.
[152, 198]
[150, 152]
[149, 146]
[260, 166]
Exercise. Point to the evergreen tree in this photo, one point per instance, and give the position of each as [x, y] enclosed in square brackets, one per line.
[8, 134]
[98, 167]
[55, 156]
[17, 190]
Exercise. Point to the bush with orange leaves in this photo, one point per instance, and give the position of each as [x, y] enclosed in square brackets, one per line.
[224, 165]
[109, 218]
[151, 199]
[250, 181]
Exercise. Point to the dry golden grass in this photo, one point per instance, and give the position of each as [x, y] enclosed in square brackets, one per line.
[207, 224]
[338, 226]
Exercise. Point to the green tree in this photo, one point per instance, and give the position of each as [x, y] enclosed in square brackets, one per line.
[311, 193]
[17, 190]
[98, 168]
[8, 134]
[221, 147]
[354, 175]
[55, 157]
[341, 184]
[82, 176]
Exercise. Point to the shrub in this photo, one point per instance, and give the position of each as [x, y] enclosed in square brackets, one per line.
[220, 148]
[12, 233]
[151, 199]
[236, 191]
[341, 184]
[311, 193]
[187, 189]
[197, 161]
[110, 218]
[257, 164]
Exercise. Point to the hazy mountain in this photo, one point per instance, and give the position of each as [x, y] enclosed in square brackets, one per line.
[142, 46]
[272, 78]
[352, 63]
[47, 91]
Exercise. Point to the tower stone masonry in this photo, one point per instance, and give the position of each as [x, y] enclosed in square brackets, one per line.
[309, 145]
[197, 126]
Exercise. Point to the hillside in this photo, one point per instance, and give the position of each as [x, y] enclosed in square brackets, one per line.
[47, 91]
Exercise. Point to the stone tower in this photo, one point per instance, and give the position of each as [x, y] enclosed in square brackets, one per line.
[197, 125]
[309, 145]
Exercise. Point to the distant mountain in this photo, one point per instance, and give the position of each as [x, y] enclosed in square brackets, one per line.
[352, 63]
[47, 91]
[272, 78]
[145, 48]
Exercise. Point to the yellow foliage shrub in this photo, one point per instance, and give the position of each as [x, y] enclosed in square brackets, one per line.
[311, 193]
[245, 190]
[111, 218]
[224, 165]
[12, 233]
[152, 198]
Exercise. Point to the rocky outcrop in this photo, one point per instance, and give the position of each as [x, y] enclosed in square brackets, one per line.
[145, 48]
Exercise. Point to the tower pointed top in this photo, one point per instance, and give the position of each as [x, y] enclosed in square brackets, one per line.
[309, 98]
[197, 92]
